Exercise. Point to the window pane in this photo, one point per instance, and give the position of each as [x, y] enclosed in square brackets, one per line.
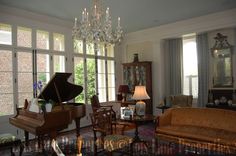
[59, 63]
[101, 49]
[111, 94]
[24, 37]
[110, 50]
[6, 104]
[111, 80]
[42, 63]
[5, 60]
[102, 94]
[44, 77]
[24, 62]
[78, 46]
[25, 82]
[91, 77]
[6, 82]
[101, 66]
[195, 87]
[90, 48]
[79, 77]
[5, 34]
[111, 66]
[42, 39]
[101, 80]
[58, 42]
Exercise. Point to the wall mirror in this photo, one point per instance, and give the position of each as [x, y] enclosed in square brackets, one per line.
[222, 62]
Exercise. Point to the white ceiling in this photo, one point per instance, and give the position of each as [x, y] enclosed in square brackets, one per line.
[135, 14]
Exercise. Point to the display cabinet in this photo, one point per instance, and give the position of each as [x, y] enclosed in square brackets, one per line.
[139, 73]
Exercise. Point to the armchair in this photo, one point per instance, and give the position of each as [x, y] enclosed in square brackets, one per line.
[109, 141]
[96, 104]
[181, 100]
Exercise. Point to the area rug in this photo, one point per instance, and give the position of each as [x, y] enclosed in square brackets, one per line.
[67, 143]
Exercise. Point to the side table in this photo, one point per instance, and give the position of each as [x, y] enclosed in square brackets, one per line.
[162, 108]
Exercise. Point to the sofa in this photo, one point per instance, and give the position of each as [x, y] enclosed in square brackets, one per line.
[204, 128]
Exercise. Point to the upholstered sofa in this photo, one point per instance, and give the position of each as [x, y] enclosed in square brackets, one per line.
[203, 128]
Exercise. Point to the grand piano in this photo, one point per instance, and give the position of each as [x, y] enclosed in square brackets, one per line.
[50, 123]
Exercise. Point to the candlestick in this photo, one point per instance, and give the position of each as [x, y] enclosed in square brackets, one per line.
[75, 22]
[118, 22]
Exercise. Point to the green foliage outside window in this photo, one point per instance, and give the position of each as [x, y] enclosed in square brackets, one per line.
[79, 79]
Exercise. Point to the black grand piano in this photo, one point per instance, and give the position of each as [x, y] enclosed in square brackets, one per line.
[60, 91]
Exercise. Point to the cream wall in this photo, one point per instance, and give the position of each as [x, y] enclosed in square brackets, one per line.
[137, 42]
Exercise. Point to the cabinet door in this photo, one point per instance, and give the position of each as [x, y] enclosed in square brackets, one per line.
[140, 75]
[129, 77]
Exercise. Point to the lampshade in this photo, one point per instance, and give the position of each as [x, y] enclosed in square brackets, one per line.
[123, 89]
[140, 93]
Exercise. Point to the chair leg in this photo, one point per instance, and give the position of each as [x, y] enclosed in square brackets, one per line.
[12, 153]
[95, 148]
[21, 148]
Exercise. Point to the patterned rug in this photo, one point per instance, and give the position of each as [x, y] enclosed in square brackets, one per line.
[67, 143]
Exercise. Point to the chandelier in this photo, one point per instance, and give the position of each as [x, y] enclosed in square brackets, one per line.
[97, 26]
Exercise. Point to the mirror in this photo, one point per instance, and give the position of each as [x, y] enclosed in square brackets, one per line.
[222, 62]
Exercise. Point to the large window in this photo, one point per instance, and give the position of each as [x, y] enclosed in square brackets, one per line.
[190, 67]
[17, 45]
[97, 72]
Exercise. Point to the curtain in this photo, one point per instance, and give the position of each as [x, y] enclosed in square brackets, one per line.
[173, 62]
[203, 67]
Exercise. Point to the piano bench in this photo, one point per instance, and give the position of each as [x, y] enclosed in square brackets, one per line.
[8, 140]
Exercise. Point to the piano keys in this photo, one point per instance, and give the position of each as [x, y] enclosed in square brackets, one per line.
[61, 91]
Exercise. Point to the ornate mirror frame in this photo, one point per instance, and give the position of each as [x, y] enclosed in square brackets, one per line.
[222, 62]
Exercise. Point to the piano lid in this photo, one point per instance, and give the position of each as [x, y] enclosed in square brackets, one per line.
[59, 89]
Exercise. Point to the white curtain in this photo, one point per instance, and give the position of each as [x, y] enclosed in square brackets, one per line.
[173, 63]
[203, 69]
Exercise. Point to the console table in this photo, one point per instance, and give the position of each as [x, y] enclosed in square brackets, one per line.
[221, 106]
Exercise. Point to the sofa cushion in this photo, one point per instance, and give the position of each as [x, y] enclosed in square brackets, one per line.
[200, 133]
[204, 117]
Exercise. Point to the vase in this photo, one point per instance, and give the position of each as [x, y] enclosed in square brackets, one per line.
[48, 107]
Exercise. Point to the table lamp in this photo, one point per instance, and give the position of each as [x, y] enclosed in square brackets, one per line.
[123, 89]
[140, 94]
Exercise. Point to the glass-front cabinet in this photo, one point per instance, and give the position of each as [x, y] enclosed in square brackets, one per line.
[139, 73]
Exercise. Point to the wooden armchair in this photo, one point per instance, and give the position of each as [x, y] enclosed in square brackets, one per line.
[108, 140]
[96, 104]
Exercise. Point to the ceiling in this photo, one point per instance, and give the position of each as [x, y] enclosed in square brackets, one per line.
[135, 14]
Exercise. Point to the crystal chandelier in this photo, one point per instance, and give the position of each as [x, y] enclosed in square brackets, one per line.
[97, 26]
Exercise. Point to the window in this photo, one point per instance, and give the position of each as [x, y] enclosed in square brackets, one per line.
[97, 73]
[190, 67]
[16, 62]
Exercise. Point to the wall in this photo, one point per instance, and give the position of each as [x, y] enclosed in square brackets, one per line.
[155, 36]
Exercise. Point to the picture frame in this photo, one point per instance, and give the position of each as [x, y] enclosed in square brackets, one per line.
[126, 112]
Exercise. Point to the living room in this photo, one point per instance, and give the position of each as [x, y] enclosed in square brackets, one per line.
[147, 42]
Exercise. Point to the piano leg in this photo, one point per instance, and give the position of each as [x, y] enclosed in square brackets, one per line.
[77, 123]
[26, 138]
